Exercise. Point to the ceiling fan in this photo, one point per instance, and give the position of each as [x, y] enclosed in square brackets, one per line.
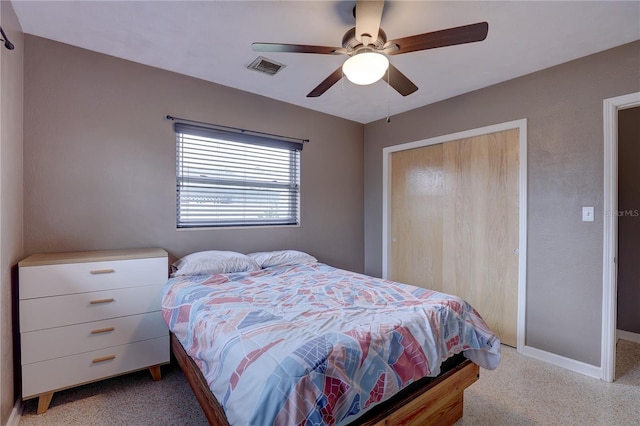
[367, 48]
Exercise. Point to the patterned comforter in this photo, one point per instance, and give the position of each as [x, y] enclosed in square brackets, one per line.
[312, 344]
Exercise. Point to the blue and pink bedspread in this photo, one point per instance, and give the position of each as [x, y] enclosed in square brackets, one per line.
[312, 344]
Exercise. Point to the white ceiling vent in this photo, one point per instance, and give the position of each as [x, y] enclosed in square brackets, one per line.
[265, 65]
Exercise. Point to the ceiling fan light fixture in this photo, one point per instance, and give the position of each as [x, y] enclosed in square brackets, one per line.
[365, 68]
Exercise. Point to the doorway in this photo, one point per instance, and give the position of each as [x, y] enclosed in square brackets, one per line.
[628, 215]
[434, 151]
[611, 107]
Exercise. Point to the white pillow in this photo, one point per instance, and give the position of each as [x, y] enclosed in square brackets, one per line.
[213, 262]
[281, 257]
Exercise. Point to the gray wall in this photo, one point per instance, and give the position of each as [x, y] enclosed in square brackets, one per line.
[11, 243]
[100, 160]
[629, 219]
[563, 106]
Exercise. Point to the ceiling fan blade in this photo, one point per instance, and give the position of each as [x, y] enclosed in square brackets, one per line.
[449, 37]
[297, 48]
[368, 17]
[326, 84]
[399, 81]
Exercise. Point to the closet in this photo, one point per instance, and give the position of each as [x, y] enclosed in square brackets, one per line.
[454, 213]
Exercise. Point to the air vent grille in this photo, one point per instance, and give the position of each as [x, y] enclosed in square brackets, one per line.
[266, 66]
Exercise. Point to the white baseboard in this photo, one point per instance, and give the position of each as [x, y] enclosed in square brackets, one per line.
[560, 361]
[627, 335]
[16, 413]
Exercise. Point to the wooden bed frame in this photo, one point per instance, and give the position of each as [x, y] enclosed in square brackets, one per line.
[429, 401]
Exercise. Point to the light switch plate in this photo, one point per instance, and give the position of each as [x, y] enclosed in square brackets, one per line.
[587, 214]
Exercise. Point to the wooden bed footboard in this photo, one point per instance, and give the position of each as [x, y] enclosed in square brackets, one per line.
[430, 401]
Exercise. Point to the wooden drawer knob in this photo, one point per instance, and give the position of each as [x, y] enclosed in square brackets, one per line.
[98, 301]
[102, 271]
[102, 330]
[103, 359]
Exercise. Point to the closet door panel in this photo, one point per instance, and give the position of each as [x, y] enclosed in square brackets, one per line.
[416, 218]
[480, 224]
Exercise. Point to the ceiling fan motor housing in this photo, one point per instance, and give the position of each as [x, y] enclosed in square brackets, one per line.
[352, 45]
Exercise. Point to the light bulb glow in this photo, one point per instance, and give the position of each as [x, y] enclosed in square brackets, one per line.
[365, 68]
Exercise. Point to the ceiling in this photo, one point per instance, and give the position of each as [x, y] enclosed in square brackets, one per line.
[211, 40]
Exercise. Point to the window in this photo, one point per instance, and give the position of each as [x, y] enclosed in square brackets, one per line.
[227, 178]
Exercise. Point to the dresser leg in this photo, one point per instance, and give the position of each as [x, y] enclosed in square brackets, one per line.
[43, 402]
[155, 372]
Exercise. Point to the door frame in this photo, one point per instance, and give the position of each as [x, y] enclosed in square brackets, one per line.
[521, 125]
[611, 107]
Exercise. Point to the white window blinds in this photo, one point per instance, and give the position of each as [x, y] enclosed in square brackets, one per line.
[229, 178]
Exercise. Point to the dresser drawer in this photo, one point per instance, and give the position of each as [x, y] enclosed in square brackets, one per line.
[57, 342]
[60, 373]
[48, 312]
[70, 278]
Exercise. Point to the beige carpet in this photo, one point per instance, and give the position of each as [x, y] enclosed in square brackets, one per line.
[522, 391]
[132, 400]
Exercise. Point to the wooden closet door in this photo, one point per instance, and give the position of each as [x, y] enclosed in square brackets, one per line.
[416, 219]
[481, 216]
[459, 233]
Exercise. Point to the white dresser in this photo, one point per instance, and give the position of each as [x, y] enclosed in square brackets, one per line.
[87, 316]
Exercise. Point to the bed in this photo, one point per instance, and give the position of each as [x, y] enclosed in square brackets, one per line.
[282, 339]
